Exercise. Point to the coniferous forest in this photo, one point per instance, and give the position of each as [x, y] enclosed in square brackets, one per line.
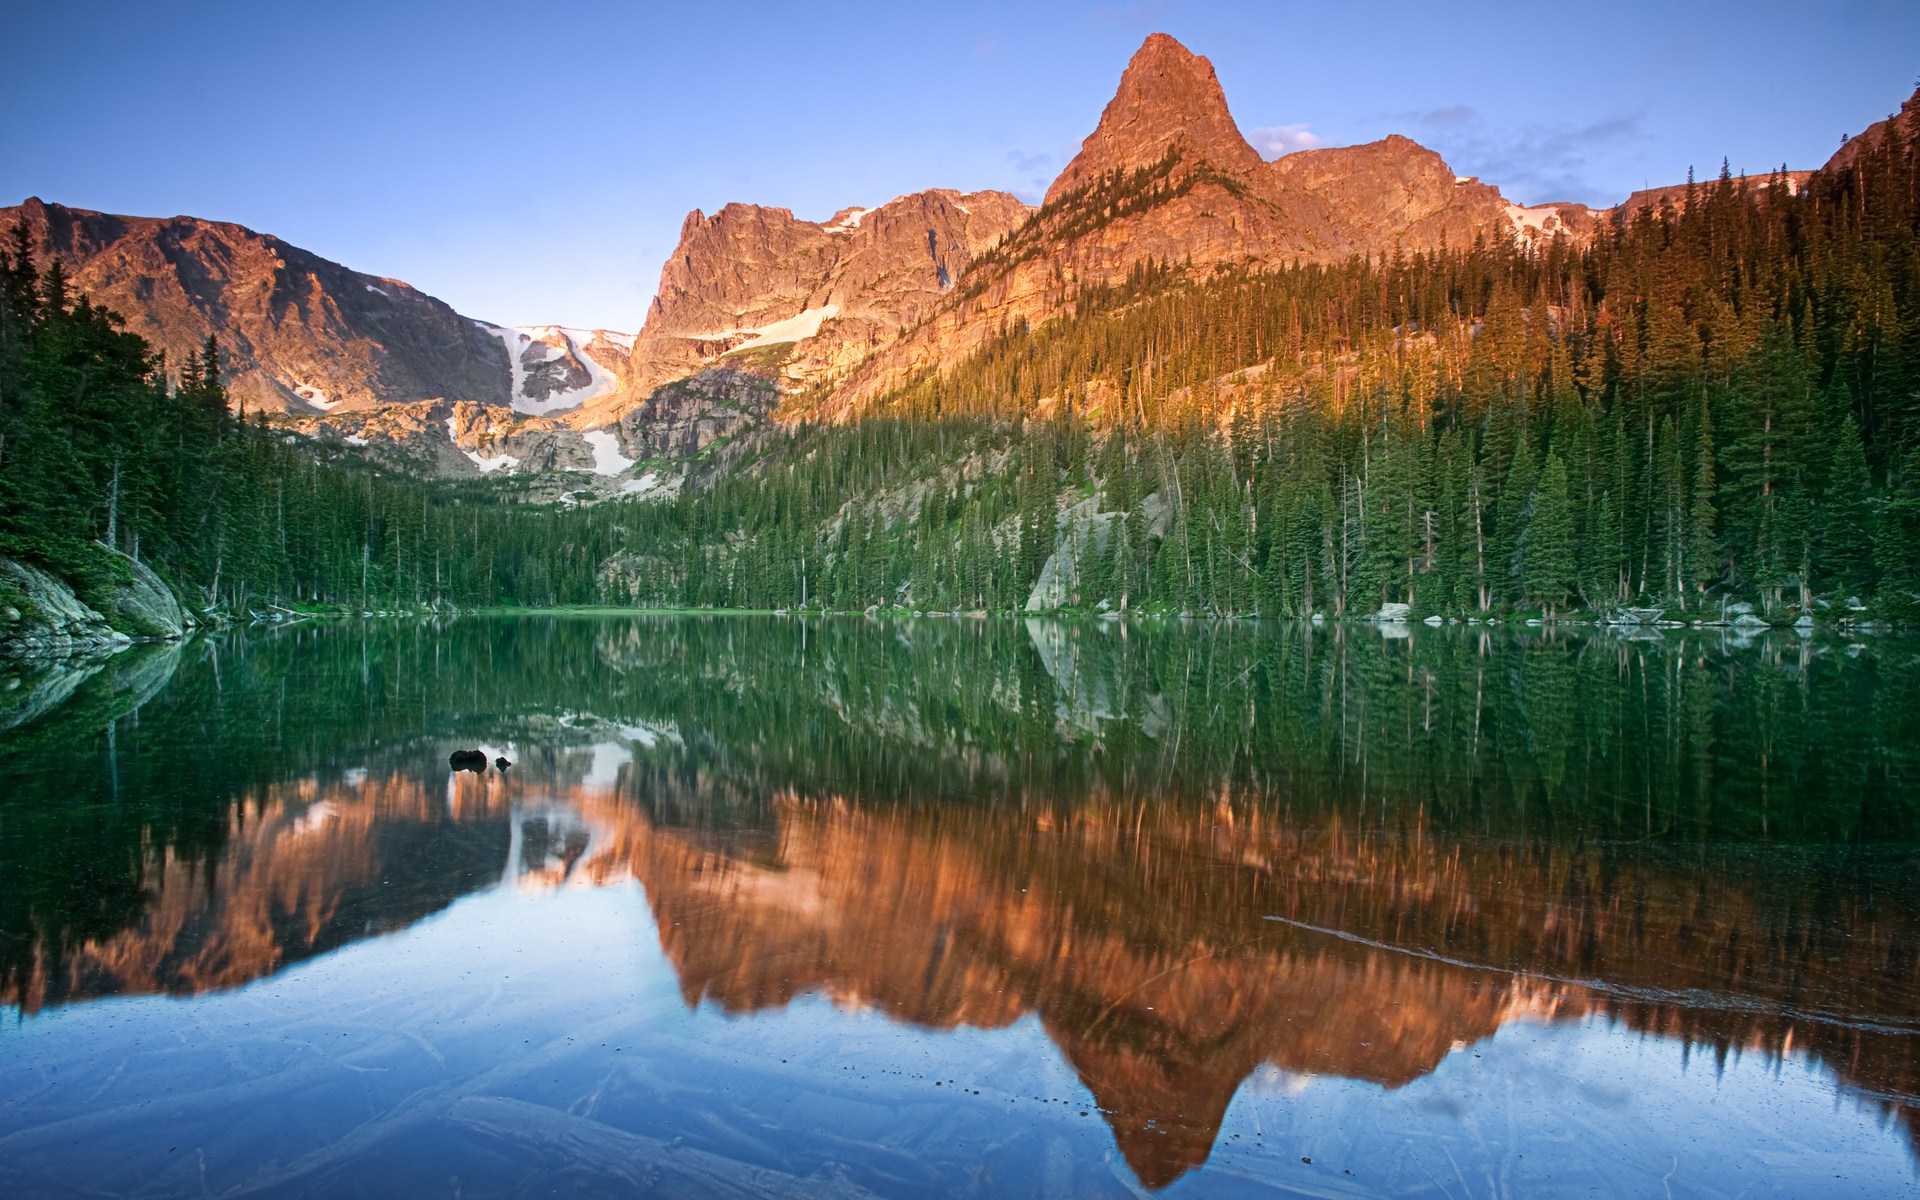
[1717, 399]
[103, 443]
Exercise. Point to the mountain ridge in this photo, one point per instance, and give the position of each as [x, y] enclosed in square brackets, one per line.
[839, 312]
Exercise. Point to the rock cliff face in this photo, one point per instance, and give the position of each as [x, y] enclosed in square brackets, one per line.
[141, 604]
[750, 277]
[1397, 194]
[1677, 194]
[1168, 101]
[1309, 205]
[366, 363]
[39, 615]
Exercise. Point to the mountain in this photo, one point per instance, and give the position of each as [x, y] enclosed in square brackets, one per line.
[1677, 195]
[362, 362]
[839, 312]
[750, 277]
[300, 334]
[861, 300]
[1169, 100]
[1167, 177]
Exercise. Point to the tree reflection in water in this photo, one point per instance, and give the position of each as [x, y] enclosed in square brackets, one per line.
[1192, 854]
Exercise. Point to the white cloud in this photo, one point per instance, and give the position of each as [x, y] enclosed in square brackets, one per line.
[1272, 141]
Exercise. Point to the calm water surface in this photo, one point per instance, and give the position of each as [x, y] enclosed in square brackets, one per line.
[953, 907]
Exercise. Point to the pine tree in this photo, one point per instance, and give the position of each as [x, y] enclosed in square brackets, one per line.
[1845, 535]
[1703, 552]
[1549, 540]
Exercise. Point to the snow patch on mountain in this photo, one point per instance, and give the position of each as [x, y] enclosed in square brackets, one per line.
[314, 396]
[533, 344]
[1541, 221]
[488, 464]
[515, 342]
[607, 459]
[849, 220]
[792, 329]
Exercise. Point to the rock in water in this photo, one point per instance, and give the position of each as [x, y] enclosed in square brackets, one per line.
[468, 760]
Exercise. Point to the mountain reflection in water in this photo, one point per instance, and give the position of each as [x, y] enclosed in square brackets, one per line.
[1129, 858]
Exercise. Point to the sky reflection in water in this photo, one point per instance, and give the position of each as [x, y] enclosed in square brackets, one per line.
[962, 910]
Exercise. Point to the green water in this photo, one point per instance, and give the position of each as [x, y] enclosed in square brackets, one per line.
[961, 907]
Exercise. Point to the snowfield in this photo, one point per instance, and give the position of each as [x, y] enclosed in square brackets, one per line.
[641, 486]
[1541, 222]
[793, 329]
[521, 350]
[607, 459]
[850, 222]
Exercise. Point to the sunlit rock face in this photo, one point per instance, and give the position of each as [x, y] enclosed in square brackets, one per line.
[818, 295]
[1168, 178]
[298, 333]
[835, 312]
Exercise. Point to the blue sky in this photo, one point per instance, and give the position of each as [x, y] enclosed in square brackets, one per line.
[532, 163]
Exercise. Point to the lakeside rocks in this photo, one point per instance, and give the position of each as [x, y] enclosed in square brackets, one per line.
[144, 606]
[1082, 531]
[42, 616]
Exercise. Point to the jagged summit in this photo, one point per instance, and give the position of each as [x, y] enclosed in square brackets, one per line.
[1169, 98]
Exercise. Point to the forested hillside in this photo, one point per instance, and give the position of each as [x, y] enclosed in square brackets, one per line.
[1714, 400]
[103, 443]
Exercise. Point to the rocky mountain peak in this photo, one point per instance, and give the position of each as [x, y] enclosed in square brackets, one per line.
[1169, 98]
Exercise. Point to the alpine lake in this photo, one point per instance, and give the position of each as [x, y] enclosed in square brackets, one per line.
[773, 906]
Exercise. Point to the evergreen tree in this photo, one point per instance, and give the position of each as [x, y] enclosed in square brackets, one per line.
[1549, 553]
